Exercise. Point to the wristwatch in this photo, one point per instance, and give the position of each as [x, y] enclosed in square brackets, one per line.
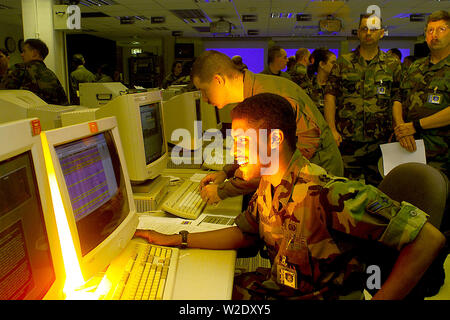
[184, 235]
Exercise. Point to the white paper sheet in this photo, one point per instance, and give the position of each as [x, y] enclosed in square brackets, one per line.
[169, 225]
[394, 154]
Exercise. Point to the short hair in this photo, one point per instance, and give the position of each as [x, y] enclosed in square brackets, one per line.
[397, 52]
[318, 55]
[291, 62]
[5, 52]
[367, 16]
[39, 46]
[237, 59]
[272, 53]
[437, 16]
[213, 62]
[78, 59]
[301, 53]
[274, 111]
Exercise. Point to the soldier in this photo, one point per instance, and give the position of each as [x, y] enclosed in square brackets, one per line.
[175, 74]
[361, 90]
[426, 97]
[395, 52]
[4, 62]
[276, 61]
[318, 72]
[222, 82]
[33, 75]
[317, 227]
[79, 75]
[299, 72]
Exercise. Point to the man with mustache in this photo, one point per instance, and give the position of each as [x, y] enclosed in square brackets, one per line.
[361, 89]
[426, 97]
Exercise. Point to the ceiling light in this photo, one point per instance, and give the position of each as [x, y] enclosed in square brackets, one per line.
[98, 3]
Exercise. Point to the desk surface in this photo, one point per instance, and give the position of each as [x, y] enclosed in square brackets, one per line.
[204, 274]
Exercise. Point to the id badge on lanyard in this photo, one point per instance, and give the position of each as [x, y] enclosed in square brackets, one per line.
[287, 275]
[381, 89]
[434, 98]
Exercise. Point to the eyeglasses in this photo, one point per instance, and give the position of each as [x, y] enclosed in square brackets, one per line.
[365, 29]
[439, 30]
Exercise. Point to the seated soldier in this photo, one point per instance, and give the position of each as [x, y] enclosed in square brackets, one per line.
[316, 227]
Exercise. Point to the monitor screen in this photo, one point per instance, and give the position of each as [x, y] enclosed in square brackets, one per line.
[26, 267]
[152, 132]
[96, 187]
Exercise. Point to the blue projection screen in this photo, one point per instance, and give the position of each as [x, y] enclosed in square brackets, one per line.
[252, 57]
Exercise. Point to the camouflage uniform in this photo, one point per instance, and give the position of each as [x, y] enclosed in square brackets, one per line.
[317, 93]
[280, 74]
[422, 81]
[321, 226]
[299, 75]
[171, 79]
[364, 95]
[37, 78]
[314, 138]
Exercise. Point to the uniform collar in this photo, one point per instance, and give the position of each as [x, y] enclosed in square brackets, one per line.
[268, 71]
[287, 183]
[380, 56]
[440, 64]
[249, 83]
[36, 62]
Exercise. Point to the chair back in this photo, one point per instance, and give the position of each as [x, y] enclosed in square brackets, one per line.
[421, 185]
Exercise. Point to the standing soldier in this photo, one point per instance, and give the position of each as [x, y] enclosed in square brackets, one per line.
[318, 72]
[79, 75]
[361, 90]
[299, 72]
[276, 61]
[33, 74]
[426, 97]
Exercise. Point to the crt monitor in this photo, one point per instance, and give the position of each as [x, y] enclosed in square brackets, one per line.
[96, 94]
[14, 104]
[210, 116]
[140, 121]
[31, 264]
[22, 104]
[183, 120]
[95, 191]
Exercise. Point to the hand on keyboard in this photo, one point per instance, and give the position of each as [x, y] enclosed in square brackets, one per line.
[210, 194]
[161, 239]
[215, 177]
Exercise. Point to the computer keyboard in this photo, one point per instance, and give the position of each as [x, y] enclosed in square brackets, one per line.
[145, 276]
[185, 201]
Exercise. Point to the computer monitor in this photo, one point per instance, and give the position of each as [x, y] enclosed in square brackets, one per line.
[95, 191]
[31, 265]
[182, 119]
[210, 116]
[141, 126]
[50, 115]
[97, 94]
[14, 104]
[23, 104]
